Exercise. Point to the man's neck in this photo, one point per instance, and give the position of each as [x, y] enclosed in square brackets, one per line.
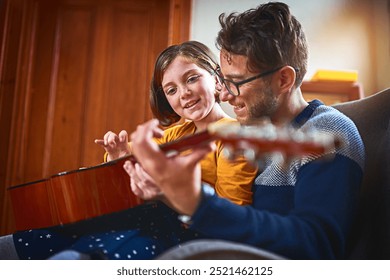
[290, 107]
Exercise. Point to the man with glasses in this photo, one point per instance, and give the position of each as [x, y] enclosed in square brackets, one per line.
[303, 210]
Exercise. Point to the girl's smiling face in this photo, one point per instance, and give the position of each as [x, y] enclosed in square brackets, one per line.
[189, 89]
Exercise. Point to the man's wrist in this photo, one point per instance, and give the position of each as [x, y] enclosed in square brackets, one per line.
[205, 194]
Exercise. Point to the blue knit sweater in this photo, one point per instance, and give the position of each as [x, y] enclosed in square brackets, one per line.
[304, 211]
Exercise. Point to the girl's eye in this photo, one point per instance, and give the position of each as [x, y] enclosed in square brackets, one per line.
[170, 91]
[192, 79]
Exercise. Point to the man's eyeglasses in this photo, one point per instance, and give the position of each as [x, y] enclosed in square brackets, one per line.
[234, 87]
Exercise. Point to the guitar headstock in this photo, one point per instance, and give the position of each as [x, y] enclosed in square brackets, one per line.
[256, 141]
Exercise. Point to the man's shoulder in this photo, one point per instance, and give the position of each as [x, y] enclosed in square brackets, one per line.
[329, 120]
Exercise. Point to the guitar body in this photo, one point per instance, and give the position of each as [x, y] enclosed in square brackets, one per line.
[31, 205]
[73, 196]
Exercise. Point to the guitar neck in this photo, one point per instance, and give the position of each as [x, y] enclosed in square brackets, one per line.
[187, 142]
[260, 139]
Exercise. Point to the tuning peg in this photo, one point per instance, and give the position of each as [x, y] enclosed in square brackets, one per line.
[278, 157]
[250, 154]
[298, 136]
[228, 152]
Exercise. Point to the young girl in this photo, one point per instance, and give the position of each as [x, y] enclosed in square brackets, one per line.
[184, 86]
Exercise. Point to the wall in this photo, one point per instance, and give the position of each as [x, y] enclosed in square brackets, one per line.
[342, 34]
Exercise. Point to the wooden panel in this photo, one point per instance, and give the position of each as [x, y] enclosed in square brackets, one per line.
[73, 111]
[17, 32]
[68, 91]
[180, 20]
[10, 33]
[37, 111]
[119, 95]
[128, 78]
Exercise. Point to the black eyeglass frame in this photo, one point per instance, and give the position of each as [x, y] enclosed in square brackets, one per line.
[240, 83]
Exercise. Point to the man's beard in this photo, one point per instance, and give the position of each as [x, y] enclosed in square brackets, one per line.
[263, 109]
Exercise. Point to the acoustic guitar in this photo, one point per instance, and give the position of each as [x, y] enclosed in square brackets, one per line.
[76, 195]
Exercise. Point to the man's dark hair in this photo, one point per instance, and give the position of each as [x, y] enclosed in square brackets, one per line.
[270, 36]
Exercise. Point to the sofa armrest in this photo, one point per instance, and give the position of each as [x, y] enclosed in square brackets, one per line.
[209, 249]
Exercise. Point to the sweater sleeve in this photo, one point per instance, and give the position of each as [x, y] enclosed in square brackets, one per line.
[325, 199]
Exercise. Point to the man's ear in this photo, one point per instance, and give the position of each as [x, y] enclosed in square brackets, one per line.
[287, 76]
